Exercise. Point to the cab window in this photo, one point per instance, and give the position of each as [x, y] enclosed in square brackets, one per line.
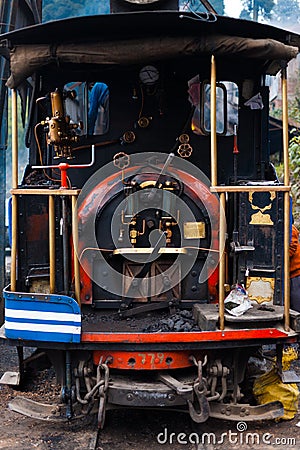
[88, 104]
[227, 97]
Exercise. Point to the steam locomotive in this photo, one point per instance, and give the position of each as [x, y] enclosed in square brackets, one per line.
[149, 209]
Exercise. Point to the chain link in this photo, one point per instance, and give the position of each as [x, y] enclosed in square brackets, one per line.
[101, 385]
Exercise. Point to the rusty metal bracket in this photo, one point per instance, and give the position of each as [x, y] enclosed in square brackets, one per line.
[40, 411]
[245, 412]
[180, 388]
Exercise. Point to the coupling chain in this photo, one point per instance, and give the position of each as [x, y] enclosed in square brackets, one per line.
[200, 382]
[101, 385]
[102, 382]
[102, 369]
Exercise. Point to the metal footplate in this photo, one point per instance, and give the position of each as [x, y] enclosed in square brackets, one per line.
[11, 378]
[247, 413]
[36, 410]
[289, 376]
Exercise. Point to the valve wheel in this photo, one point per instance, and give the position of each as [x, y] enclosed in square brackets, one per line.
[121, 160]
[185, 150]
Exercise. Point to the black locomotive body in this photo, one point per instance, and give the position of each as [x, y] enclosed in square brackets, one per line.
[149, 198]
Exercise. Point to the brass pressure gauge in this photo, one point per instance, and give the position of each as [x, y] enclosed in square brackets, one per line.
[149, 75]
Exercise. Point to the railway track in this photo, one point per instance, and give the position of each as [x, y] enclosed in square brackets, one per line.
[94, 443]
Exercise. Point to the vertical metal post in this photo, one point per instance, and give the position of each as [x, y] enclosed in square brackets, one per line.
[5, 22]
[14, 118]
[222, 264]
[13, 14]
[214, 181]
[65, 244]
[75, 246]
[52, 243]
[14, 138]
[68, 386]
[213, 122]
[285, 129]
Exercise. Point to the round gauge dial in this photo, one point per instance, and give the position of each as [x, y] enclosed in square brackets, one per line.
[149, 75]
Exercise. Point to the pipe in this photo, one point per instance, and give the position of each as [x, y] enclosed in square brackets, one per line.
[75, 246]
[222, 267]
[286, 258]
[285, 130]
[14, 240]
[14, 138]
[52, 243]
[13, 272]
[213, 122]
[65, 244]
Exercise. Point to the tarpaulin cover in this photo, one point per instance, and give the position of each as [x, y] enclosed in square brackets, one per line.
[26, 59]
[269, 387]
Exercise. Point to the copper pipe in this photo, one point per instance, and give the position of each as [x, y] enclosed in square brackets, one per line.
[213, 122]
[52, 243]
[75, 245]
[285, 130]
[13, 269]
[222, 263]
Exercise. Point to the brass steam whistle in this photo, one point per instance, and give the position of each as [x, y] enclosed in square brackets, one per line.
[61, 133]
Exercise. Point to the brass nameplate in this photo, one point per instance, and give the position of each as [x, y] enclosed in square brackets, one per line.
[194, 230]
[260, 289]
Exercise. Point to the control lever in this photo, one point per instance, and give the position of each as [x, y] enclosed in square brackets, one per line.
[64, 167]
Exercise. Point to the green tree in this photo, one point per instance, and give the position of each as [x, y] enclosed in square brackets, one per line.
[252, 9]
[196, 5]
[55, 9]
[286, 12]
[219, 6]
[23, 151]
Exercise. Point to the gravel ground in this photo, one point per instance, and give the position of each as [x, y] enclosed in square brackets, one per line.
[130, 429]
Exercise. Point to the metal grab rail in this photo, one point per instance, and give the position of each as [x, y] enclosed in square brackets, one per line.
[225, 189]
[64, 167]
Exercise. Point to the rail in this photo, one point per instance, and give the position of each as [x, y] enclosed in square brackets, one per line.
[226, 189]
[73, 193]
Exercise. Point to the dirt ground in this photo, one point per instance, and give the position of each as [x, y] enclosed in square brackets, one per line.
[134, 430]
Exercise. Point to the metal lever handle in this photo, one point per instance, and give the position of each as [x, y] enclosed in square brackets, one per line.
[63, 167]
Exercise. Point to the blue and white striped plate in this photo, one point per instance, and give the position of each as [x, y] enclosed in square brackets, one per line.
[39, 317]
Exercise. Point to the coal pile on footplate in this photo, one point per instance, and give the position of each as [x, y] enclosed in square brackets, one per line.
[181, 321]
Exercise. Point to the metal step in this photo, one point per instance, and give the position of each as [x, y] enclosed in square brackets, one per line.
[289, 376]
[11, 378]
[37, 410]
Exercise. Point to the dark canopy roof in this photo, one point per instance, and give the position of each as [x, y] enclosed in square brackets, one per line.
[132, 37]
